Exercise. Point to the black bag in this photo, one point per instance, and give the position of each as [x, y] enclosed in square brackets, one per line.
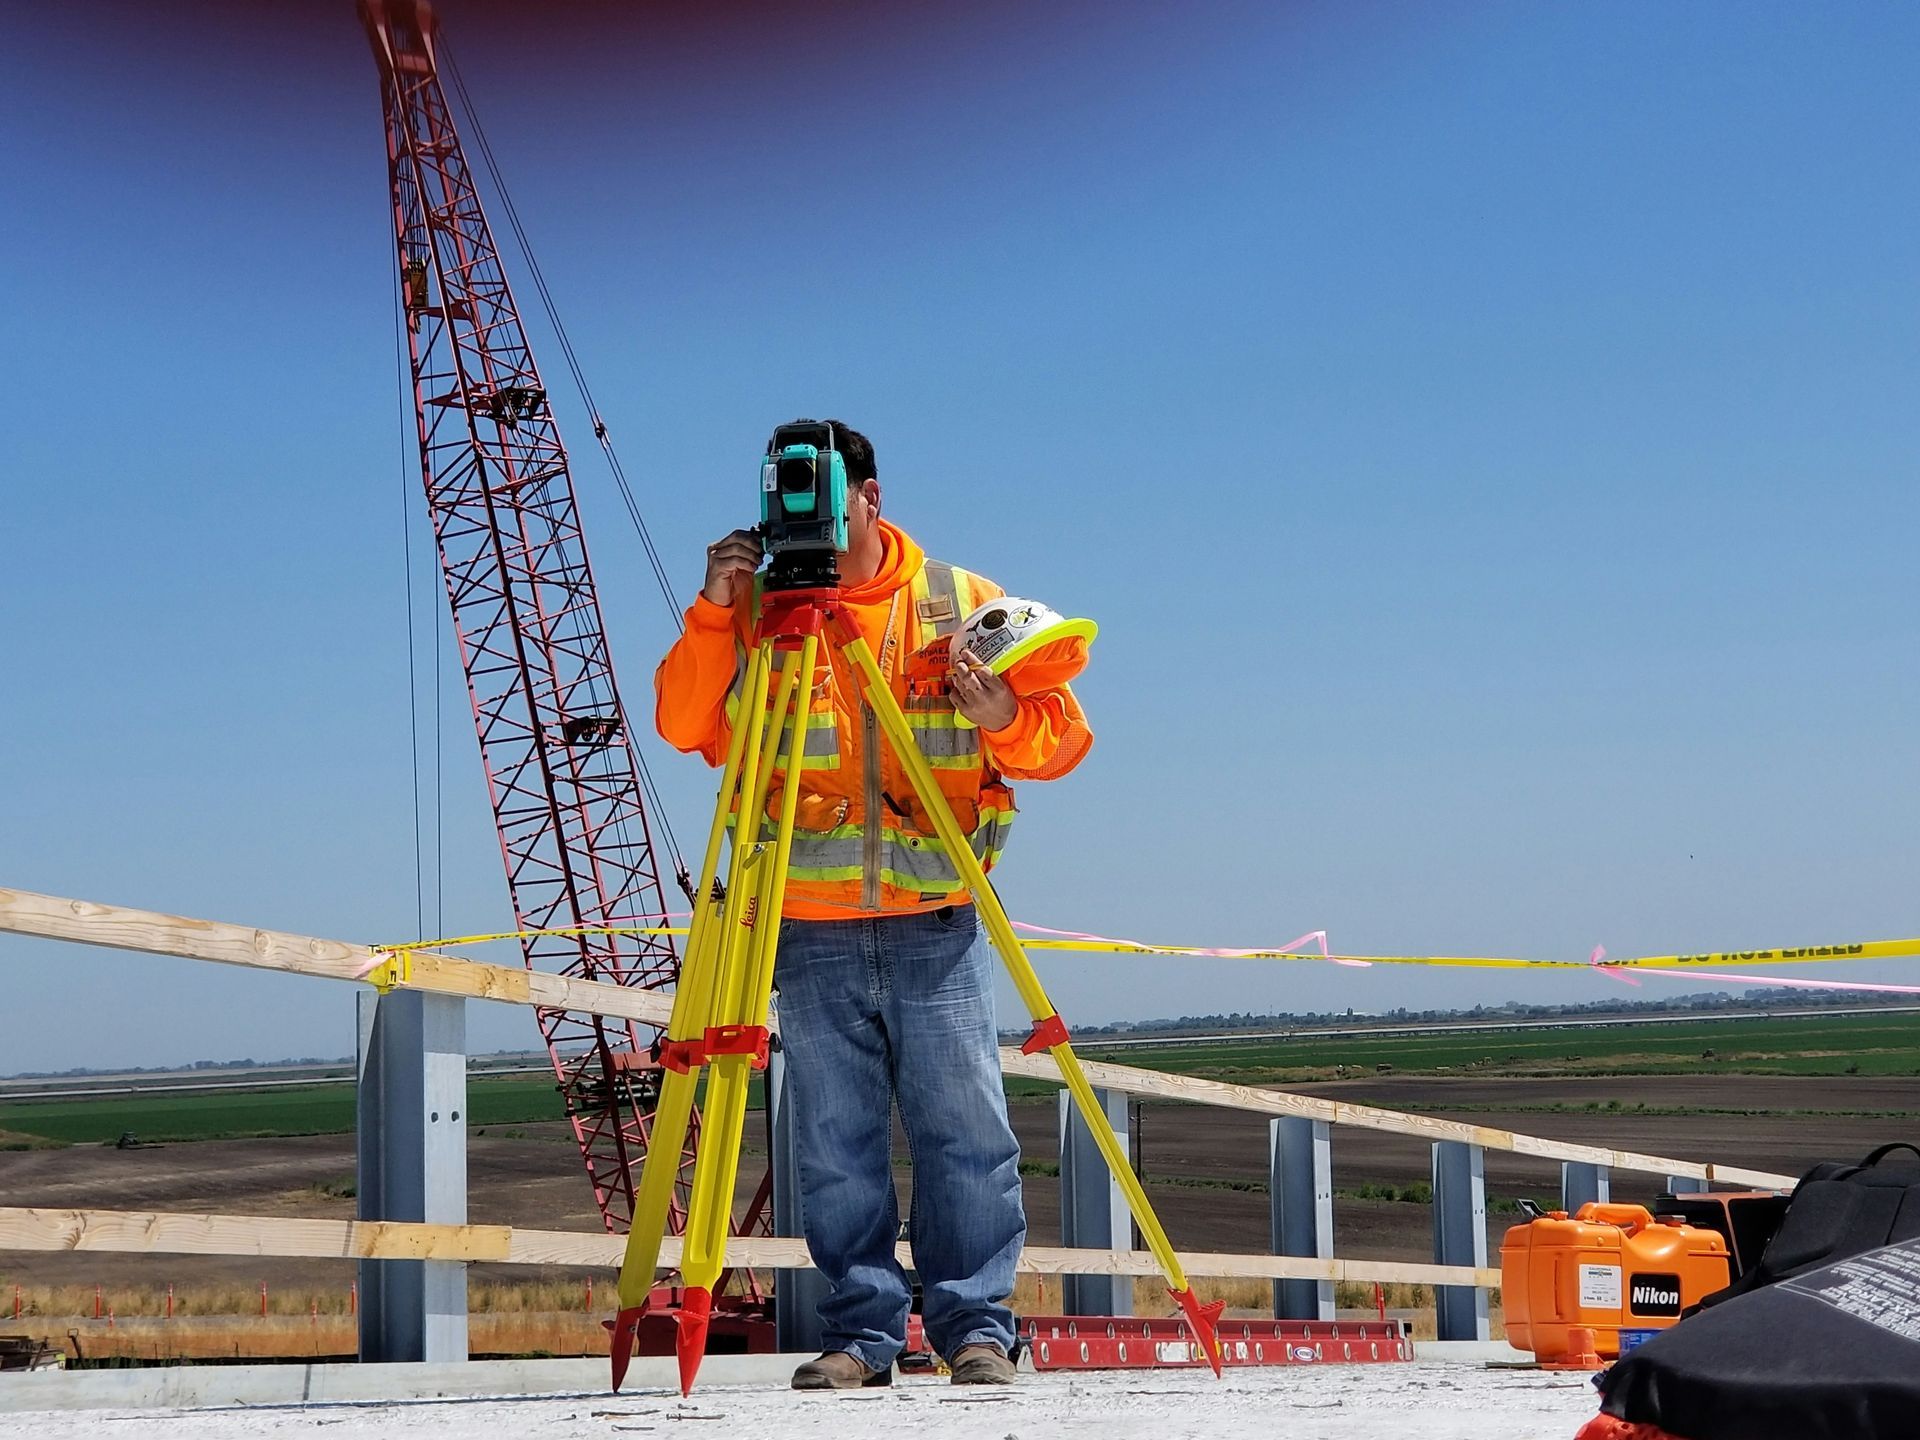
[1837, 1211]
[1828, 1353]
[1745, 1219]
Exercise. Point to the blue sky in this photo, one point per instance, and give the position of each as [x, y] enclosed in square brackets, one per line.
[1484, 433]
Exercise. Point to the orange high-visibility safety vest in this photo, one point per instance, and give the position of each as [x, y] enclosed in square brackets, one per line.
[863, 843]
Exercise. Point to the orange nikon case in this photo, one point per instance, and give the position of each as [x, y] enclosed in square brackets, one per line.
[1609, 1268]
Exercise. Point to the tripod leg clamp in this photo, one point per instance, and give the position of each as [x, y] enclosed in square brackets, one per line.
[680, 1056]
[748, 1040]
[1046, 1034]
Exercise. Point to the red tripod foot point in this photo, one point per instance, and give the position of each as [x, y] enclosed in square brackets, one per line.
[622, 1327]
[1203, 1321]
[690, 1342]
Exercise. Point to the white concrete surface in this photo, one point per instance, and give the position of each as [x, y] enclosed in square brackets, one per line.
[1427, 1400]
[179, 1387]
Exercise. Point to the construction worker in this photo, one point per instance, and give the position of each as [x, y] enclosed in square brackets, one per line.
[884, 976]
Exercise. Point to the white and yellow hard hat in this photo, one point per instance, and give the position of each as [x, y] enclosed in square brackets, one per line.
[1002, 633]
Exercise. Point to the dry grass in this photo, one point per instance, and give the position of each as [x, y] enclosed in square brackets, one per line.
[542, 1297]
[550, 1317]
[76, 1302]
[279, 1337]
[547, 1317]
[534, 1333]
[217, 1337]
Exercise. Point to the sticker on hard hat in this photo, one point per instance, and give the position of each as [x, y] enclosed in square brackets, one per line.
[999, 631]
[1003, 632]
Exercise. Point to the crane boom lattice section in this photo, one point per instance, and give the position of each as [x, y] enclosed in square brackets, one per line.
[560, 768]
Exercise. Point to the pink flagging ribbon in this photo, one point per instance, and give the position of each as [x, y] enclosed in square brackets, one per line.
[1315, 938]
[1612, 972]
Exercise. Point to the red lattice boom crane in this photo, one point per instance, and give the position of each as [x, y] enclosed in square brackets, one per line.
[561, 770]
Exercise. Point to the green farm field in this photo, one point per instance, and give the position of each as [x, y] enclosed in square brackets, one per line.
[246, 1114]
[256, 1114]
[1863, 1045]
[1822, 1045]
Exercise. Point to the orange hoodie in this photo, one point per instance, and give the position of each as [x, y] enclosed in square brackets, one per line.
[1047, 737]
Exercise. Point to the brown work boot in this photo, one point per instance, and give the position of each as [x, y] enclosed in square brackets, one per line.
[839, 1370]
[981, 1365]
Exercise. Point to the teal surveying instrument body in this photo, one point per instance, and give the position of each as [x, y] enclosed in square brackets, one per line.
[719, 1032]
[803, 506]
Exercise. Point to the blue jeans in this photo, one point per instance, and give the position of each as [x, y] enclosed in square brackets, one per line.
[899, 1008]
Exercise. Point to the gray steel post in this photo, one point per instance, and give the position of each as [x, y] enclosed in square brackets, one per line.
[1093, 1209]
[1300, 1189]
[411, 1102]
[1581, 1183]
[796, 1293]
[1460, 1237]
[1685, 1185]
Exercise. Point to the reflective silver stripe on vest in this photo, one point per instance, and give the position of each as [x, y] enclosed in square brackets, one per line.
[932, 720]
[915, 862]
[938, 741]
[946, 745]
[909, 862]
[821, 750]
[821, 746]
[737, 691]
[940, 586]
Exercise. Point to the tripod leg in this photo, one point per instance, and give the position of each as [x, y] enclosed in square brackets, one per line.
[1049, 1032]
[692, 1011]
[737, 1041]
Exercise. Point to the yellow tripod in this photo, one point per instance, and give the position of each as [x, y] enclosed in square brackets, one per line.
[719, 1018]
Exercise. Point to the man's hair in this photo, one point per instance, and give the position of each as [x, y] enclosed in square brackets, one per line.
[856, 452]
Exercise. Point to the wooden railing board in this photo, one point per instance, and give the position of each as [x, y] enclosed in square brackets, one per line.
[49, 917]
[137, 1232]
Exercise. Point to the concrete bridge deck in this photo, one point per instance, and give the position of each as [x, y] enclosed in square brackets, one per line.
[1450, 1394]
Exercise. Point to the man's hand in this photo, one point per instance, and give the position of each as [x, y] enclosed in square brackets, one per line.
[730, 565]
[982, 696]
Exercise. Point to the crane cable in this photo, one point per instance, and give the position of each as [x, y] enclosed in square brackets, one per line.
[413, 669]
[600, 433]
[403, 398]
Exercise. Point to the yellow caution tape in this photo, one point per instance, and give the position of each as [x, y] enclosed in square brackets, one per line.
[1864, 950]
[450, 940]
[1787, 955]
